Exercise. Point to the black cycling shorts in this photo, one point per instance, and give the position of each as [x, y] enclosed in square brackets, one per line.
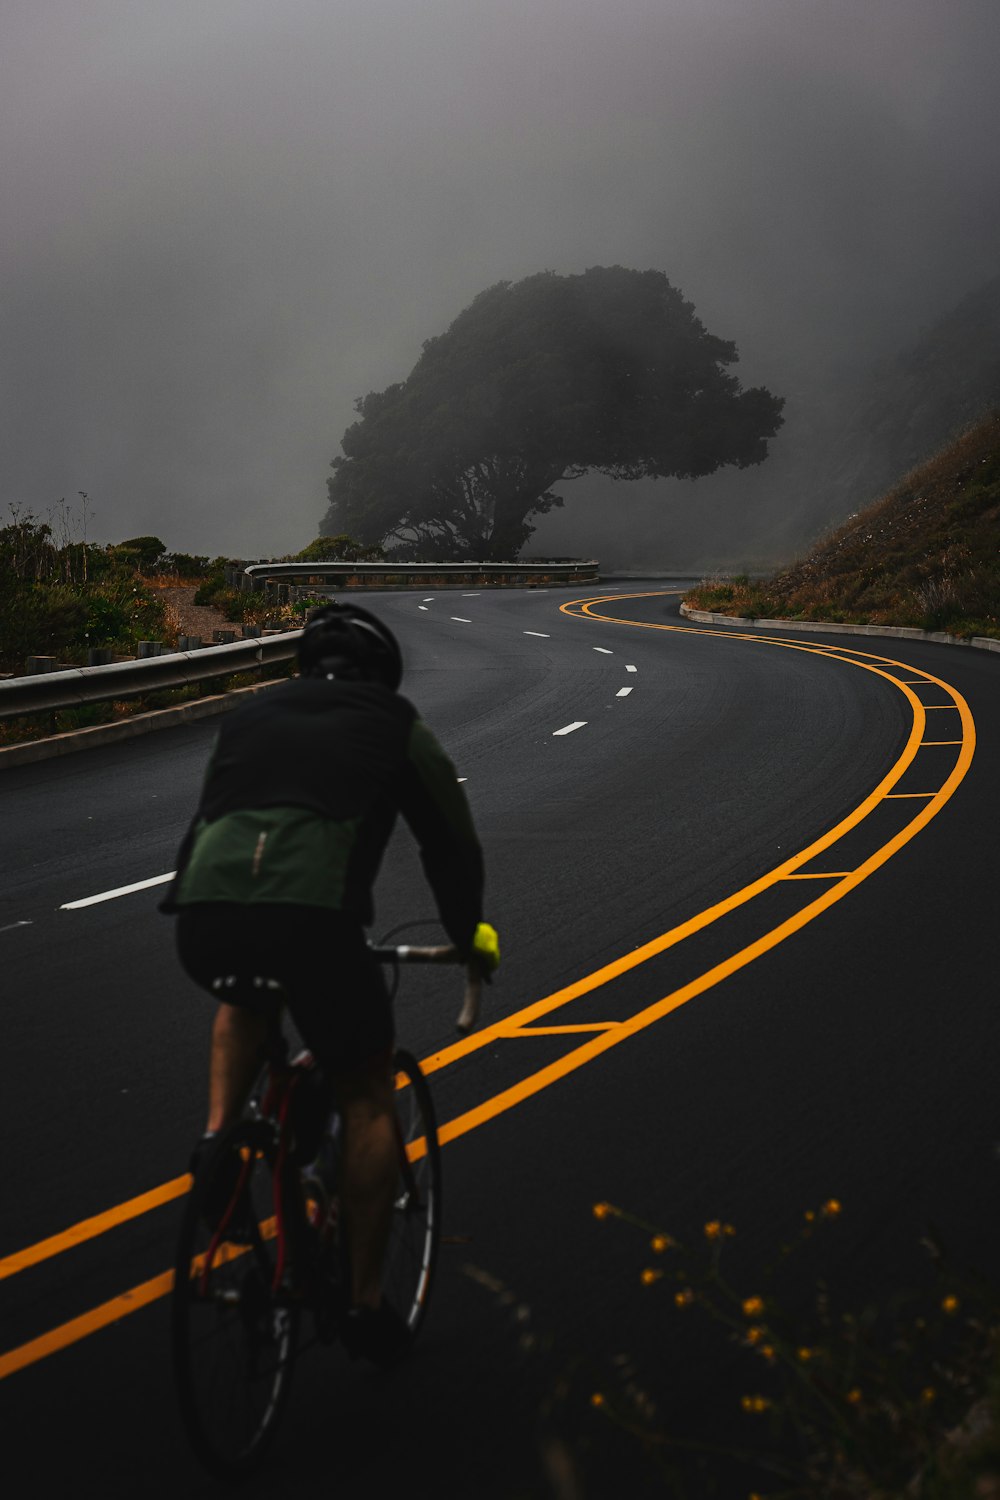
[335, 989]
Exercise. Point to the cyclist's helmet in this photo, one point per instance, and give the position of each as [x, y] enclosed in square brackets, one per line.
[343, 640]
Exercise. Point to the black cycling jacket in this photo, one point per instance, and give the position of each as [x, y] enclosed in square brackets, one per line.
[300, 798]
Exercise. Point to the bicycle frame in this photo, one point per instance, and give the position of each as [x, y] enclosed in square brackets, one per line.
[257, 1246]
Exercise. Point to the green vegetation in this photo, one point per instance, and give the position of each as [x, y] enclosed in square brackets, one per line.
[534, 384]
[63, 597]
[337, 549]
[61, 600]
[926, 555]
[247, 608]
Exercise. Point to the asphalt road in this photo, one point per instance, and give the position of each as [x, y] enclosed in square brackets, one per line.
[748, 908]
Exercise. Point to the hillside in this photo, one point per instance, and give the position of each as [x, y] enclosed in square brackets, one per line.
[910, 406]
[927, 554]
[848, 434]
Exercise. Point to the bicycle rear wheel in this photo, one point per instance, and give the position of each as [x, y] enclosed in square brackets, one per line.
[233, 1324]
[415, 1231]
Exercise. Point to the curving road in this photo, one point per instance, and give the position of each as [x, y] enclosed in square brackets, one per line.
[747, 889]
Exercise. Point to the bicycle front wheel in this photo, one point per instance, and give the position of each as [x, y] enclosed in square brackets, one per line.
[415, 1231]
[234, 1324]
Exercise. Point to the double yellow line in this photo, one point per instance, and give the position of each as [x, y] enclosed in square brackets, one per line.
[952, 726]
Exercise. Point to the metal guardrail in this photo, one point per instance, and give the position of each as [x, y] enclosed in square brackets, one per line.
[69, 689]
[44, 692]
[575, 571]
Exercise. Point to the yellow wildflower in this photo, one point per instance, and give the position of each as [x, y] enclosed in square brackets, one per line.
[602, 1210]
[950, 1304]
[810, 1216]
[754, 1403]
[753, 1307]
[928, 1394]
[728, 1231]
[661, 1242]
[597, 1399]
[684, 1298]
[853, 1395]
[713, 1230]
[804, 1355]
[831, 1208]
[755, 1334]
[768, 1352]
[649, 1276]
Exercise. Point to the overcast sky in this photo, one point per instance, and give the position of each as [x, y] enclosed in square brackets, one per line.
[223, 220]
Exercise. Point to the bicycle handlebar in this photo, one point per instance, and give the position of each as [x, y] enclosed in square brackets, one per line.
[444, 953]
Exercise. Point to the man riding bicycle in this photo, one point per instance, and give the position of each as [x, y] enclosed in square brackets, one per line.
[274, 881]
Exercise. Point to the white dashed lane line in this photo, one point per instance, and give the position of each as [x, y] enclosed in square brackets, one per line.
[430, 599]
[423, 607]
[144, 885]
[470, 596]
[12, 925]
[122, 890]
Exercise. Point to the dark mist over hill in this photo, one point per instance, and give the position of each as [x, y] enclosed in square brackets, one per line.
[845, 440]
[224, 222]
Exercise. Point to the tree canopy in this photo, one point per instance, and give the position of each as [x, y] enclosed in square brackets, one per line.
[535, 383]
[336, 549]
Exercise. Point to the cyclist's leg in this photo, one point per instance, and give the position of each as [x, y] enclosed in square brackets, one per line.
[350, 1033]
[218, 942]
[238, 1039]
[369, 1166]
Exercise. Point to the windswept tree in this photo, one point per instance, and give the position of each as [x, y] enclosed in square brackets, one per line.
[536, 383]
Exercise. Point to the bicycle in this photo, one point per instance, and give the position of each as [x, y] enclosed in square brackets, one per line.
[261, 1239]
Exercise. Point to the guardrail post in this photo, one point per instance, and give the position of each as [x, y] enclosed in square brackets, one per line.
[36, 664]
[148, 648]
[223, 637]
[99, 656]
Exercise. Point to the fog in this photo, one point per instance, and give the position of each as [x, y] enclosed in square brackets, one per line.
[224, 222]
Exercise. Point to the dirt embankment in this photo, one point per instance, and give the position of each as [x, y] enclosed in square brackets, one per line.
[188, 617]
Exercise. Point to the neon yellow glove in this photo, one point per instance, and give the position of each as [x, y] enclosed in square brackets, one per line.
[486, 948]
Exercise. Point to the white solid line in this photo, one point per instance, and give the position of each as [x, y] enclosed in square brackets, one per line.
[460, 620]
[568, 728]
[123, 890]
[603, 650]
[623, 692]
[542, 633]
[631, 669]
